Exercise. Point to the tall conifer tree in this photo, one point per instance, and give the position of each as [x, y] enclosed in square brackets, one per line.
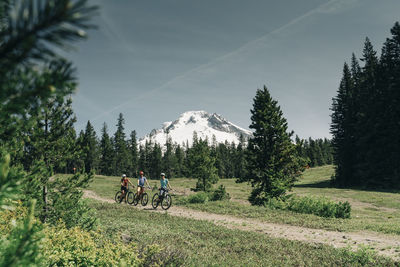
[106, 153]
[134, 155]
[120, 148]
[273, 163]
[341, 129]
[201, 165]
[368, 111]
[90, 149]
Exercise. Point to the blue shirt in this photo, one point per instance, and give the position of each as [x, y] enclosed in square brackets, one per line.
[164, 183]
[142, 180]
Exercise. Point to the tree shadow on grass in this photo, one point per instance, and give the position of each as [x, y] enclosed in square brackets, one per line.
[328, 184]
[320, 184]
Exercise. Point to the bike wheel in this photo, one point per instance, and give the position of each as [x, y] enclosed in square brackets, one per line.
[166, 202]
[155, 201]
[118, 197]
[130, 198]
[135, 199]
[145, 199]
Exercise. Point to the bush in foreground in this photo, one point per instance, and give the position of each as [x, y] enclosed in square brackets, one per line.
[62, 246]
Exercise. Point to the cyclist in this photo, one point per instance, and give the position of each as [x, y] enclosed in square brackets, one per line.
[141, 181]
[124, 186]
[164, 185]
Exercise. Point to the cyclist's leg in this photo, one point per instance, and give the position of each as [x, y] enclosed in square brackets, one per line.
[162, 192]
[142, 191]
[124, 194]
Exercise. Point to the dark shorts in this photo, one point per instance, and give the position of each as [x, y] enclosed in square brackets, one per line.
[163, 191]
[123, 188]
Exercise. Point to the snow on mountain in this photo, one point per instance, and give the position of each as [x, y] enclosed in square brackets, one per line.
[201, 122]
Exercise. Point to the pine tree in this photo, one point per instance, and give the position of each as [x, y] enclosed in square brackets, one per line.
[120, 148]
[142, 163]
[156, 161]
[240, 163]
[180, 161]
[80, 144]
[220, 160]
[134, 155]
[148, 149]
[201, 165]
[169, 161]
[273, 163]
[52, 137]
[28, 33]
[90, 148]
[22, 246]
[387, 142]
[74, 160]
[368, 94]
[342, 130]
[106, 153]
[366, 146]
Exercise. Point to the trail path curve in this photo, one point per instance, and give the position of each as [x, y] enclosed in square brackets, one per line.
[385, 245]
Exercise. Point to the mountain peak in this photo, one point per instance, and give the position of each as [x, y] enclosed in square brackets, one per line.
[206, 125]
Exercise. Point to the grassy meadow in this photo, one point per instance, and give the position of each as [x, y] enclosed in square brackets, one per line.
[371, 210]
[201, 243]
[191, 242]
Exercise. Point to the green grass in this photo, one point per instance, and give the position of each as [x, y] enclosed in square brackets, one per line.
[201, 243]
[316, 181]
[371, 210]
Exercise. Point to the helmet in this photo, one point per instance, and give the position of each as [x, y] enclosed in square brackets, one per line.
[123, 175]
[141, 172]
[162, 174]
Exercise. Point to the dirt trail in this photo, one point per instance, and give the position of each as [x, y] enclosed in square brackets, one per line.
[385, 245]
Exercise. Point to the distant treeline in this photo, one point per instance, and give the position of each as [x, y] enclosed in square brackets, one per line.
[318, 152]
[117, 154]
[366, 118]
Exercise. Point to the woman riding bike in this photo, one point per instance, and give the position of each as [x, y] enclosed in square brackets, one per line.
[164, 185]
[124, 186]
[163, 197]
[140, 187]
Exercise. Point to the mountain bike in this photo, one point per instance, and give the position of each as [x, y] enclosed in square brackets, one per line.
[165, 200]
[128, 196]
[144, 198]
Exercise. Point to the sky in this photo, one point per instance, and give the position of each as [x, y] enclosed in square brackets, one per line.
[153, 60]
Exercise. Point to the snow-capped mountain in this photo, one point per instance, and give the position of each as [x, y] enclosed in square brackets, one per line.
[206, 125]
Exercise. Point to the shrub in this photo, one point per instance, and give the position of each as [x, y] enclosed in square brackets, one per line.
[361, 257]
[21, 237]
[61, 246]
[343, 210]
[76, 247]
[154, 256]
[277, 204]
[201, 197]
[219, 194]
[319, 206]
